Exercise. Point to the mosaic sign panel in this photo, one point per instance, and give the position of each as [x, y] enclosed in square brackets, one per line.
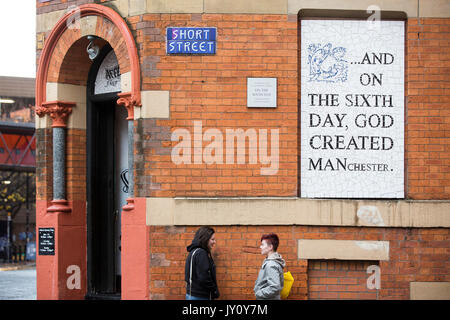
[352, 109]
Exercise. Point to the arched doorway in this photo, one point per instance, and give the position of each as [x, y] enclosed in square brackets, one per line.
[85, 212]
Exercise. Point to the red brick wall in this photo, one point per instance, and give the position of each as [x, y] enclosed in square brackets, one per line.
[44, 164]
[70, 62]
[213, 89]
[76, 164]
[54, 5]
[62, 48]
[336, 279]
[428, 108]
[75, 65]
[414, 255]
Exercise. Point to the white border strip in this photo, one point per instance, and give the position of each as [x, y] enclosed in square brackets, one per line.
[343, 249]
[297, 211]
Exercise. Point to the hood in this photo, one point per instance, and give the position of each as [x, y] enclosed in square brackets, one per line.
[193, 246]
[277, 258]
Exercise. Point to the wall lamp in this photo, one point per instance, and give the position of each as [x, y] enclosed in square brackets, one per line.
[92, 49]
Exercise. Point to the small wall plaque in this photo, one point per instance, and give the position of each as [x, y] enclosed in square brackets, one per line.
[262, 92]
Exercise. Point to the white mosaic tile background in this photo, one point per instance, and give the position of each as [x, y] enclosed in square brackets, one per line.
[336, 69]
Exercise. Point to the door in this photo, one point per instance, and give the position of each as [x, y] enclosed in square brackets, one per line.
[106, 177]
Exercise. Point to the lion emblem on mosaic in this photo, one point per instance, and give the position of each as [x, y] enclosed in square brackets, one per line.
[327, 63]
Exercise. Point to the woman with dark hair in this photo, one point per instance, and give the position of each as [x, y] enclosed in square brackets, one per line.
[200, 270]
[270, 280]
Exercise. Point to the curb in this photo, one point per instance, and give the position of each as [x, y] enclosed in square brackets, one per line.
[13, 268]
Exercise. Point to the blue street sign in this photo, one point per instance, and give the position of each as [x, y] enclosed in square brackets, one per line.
[191, 40]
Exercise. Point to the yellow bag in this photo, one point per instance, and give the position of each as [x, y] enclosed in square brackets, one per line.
[288, 281]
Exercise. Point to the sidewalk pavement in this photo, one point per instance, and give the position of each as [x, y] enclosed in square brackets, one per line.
[17, 266]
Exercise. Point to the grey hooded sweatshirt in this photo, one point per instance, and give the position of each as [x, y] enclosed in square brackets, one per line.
[270, 280]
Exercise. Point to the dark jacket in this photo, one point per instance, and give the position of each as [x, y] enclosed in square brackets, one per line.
[204, 283]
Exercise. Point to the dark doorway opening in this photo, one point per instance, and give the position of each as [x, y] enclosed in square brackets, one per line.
[103, 211]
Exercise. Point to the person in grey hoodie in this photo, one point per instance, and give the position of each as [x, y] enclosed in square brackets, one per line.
[270, 280]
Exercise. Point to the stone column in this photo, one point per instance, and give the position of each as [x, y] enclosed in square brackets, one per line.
[59, 112]
[127, 100]
[135, 235]
[130, 157]
[59, 168]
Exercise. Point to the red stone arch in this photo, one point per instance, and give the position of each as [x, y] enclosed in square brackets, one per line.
[111, 28]
[64, 60]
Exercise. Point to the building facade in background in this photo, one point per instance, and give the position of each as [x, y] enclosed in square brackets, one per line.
[17, 169]
[325, 122]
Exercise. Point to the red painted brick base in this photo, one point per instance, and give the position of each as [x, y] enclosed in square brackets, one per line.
[335, 279]
[414, 255]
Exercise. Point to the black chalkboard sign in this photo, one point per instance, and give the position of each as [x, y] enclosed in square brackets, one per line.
[46, 241]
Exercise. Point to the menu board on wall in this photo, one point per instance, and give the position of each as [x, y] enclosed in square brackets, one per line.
[352, 109]
[46, 241]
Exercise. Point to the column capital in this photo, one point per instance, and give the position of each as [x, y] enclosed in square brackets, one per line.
[59, 111]
[129, 101]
